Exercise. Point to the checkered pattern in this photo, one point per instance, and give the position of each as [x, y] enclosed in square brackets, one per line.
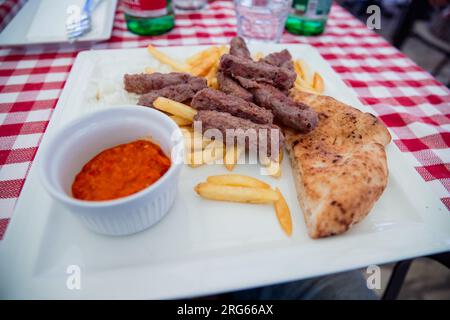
[406, 98]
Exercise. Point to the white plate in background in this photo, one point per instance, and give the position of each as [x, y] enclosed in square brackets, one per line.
[43, 21]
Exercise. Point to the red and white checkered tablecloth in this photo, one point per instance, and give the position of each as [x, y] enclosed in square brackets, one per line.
[406, 98]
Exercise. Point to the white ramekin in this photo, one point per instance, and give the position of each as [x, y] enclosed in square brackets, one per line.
[66, 151]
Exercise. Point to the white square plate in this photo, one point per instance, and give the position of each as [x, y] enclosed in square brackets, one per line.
[43, 21]
[202, 247]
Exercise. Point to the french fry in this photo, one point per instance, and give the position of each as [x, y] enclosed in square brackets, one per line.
[206, 142]
[232, 155]
[175, 108]
[259, 55]
[305, 89]
[202, 68]
[181, 121]
[195, 142]
[212, 72]
[283, 213]
[161, 57]
[211, 76]
[149, 70]
[307, 73]
[318, 83]
[187, 130]
[303, 83]
[235, 194]
[190, 133]
[214, 83]
[237, 180]
[274, 169]
[307, 81]
[190, 145]
[196, 58]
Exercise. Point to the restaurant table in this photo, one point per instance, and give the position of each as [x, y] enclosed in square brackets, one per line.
[409, 101]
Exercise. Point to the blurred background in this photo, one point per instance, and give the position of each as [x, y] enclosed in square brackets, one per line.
[419, 28]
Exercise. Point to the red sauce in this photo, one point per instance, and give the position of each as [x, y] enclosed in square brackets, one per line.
[120, 171]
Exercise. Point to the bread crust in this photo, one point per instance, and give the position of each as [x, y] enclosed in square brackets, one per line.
[340, 168]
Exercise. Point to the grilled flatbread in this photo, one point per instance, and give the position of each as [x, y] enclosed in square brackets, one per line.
[340, 167]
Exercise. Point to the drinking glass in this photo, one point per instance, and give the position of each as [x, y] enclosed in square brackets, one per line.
[189, 4]
[261, 20]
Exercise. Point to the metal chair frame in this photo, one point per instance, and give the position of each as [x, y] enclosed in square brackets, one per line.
[400, 272]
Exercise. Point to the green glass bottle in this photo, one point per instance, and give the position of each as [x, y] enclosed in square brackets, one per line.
[148, 17]
[308, 17]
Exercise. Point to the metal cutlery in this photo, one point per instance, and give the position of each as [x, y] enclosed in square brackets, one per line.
[80, 24]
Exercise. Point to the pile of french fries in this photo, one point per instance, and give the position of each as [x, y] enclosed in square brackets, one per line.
[245, 189]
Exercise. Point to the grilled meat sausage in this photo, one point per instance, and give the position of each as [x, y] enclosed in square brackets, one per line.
[223, 121]
[229, 86]
[281, 78]
[180, 92]
[292, 114]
